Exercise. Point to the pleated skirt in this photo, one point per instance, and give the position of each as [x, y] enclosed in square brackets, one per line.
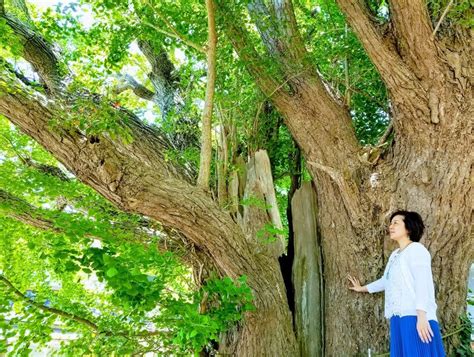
[405, 342]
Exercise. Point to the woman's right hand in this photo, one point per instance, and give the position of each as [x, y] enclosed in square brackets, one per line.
[356, 285]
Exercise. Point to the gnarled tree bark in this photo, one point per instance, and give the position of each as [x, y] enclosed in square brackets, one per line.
[424, 170]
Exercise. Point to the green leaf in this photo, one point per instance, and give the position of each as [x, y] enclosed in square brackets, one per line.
[111, 272]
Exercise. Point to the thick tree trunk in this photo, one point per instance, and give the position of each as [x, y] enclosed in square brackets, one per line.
[425, 170]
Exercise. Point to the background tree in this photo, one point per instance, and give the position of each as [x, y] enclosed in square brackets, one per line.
[314, 78]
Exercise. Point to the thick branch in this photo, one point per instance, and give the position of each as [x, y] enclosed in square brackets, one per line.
[280, 35]
[206, 145]
[285, 15]
[382, 53]
[162, 75]
[39, 53]
[22, 211]
[242, 44]
[413, 31]
[311, 113]
[136, 177]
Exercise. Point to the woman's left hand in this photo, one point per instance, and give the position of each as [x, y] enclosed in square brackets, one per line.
[423, 327]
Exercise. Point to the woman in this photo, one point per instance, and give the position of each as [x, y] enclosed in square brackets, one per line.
[409, 292]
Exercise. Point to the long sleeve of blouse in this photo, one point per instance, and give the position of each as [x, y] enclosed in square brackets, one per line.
[376, 286]
[419, 264]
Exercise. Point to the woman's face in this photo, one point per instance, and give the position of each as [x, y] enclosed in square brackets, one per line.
[397, 228]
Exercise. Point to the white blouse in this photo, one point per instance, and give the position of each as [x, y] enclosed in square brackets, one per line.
[408, 283]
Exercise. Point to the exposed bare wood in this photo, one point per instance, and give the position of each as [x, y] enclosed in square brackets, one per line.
[307, 273]
[222, 164]
[128, 82]
[261, 217]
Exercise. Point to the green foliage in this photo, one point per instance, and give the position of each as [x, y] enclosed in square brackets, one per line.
[124, 285]
[8, 47]
[269, 233]
[253, 201]
[342, 61]
[464, 349]
[104, 265]
[466, 330]
[94, 117]
[459, 14]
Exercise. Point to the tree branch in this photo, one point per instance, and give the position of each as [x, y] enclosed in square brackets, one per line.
[413, 30]
[446, 10]
[174, 32]
[206, 145]
[39, 53]
[128, 82]
[382, 53]
[162, 75]
[240, 39]
[310, 111]
[74, 317]
[51, 310]
[22, 211]
[135, 176]
[280, 35]
[285, 17]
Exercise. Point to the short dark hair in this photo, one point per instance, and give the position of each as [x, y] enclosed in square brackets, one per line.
[413, 224]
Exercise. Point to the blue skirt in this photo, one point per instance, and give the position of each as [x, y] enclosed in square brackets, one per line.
[405, 342]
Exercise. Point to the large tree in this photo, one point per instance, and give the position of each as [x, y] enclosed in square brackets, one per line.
[422, 55]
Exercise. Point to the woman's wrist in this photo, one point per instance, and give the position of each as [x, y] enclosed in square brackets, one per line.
[421, 314]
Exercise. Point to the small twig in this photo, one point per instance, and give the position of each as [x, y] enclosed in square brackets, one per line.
[76, 318]
[286, 81]
[175, 33]
[52, 310]
[20, 156]
[442, 18]
[453, 332]
[385, 136]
